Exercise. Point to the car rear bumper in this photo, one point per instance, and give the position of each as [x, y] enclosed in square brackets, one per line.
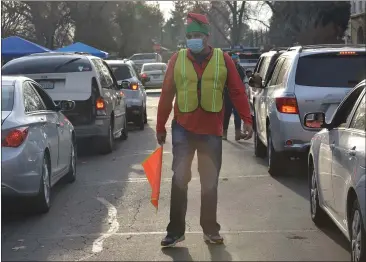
[288, 135]
[98, 128]
[133, 112]
[21, 173]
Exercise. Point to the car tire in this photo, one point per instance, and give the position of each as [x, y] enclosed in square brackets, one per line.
[140, 122]
[71, 175]
[357, 234]
[260, 149]
[276, 161]
[42, 201]
[108, 141]
[145, 116]
[124, 134]
[318, 215]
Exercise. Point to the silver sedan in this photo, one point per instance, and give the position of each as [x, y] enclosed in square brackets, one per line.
[38, 141]
[337, 164]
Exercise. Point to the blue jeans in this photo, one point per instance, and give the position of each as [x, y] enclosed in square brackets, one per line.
[230, 109]
[209, 155]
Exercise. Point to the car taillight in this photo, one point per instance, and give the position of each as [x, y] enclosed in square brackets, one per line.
[100, 104]
[15, 137]
[143, 75]
[287, 105]
[134, 86]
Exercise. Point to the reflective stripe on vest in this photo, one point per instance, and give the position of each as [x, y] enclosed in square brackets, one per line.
[212, 83]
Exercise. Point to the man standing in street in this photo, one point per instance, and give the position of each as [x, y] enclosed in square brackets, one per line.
[196, 77]
[230, 109]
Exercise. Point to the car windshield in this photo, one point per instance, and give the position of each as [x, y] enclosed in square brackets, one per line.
[7, 97]
[143, 57]
[121, 72]
[153, 67]
[39, 65]
[319, 70]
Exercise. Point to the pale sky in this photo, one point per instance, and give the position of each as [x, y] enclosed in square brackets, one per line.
[263, 13]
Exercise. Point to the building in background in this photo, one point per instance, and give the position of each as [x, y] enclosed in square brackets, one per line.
[356, 32]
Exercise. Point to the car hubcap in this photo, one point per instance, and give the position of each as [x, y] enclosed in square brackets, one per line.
[313, 194]
[356, 236]
[46, 183]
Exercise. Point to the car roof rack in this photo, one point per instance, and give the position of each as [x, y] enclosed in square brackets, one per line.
[301, 48]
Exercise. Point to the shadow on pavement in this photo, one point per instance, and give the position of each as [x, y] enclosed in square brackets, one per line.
[219, 253]
[178, 253]
[75, 207]
[333, 232]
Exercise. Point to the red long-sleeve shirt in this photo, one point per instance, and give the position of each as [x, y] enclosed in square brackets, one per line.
[200, 121]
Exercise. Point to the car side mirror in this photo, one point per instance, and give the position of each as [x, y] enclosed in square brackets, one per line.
[314, 120]
[256, 81]
[66, 105]
[249, 73]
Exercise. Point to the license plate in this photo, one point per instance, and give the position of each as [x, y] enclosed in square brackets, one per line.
[156, 76]
[47, 84]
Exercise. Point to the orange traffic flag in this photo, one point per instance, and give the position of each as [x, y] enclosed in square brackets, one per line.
[152, 166]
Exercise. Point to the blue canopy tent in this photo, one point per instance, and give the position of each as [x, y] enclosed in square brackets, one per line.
[14, 46]
[80, 47]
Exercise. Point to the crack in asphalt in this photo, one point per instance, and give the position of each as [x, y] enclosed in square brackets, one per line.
[134, 219]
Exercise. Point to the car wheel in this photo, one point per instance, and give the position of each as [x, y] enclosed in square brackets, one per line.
[141, 120]
[71, 175]
[43, 199]
[145, 116]
[124, 134]
[318, 215]
[260, 149]
[357, 234]
[276, 161]
[108, 141]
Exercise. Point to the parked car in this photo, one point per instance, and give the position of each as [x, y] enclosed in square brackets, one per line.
[38, 143]
[305, 78]
[337, 164]
[143, 58]
[154, 74]
[100, 110]
[262, 68]
[134, 90]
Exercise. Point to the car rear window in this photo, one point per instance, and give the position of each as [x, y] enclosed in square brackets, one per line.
[249, 58]
[143, 57]
[40, 65]
[121, 72]
[7, 98]
[154, 67]
[331, 70]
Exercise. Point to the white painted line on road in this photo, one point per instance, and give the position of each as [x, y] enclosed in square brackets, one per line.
[151, 233]
[144, 180]
[112, 220]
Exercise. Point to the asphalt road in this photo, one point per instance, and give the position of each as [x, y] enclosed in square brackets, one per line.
[106, 214]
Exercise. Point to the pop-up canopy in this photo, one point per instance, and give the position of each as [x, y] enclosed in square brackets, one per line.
[80, 47]
[14, 46]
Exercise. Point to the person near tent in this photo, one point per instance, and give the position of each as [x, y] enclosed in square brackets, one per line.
[196, 77]
[229, 108]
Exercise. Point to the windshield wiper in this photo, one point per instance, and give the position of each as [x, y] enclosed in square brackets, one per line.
[66, 63]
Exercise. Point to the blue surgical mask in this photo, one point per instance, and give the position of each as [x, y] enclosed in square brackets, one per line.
[195, 45]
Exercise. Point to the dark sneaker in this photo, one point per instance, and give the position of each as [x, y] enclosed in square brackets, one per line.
[213, 239]
[171, 241]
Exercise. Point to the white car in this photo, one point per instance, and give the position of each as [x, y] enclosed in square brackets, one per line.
[154, 73]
